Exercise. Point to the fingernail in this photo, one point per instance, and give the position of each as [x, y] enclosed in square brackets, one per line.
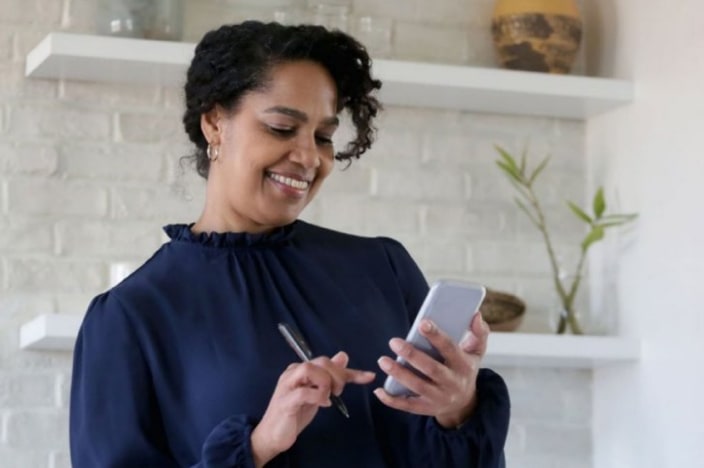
[396, 345]
[383, 363]
[341, 356]
[427, 326]
[377, 393]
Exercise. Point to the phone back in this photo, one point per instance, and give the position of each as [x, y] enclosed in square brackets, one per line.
[451, 306]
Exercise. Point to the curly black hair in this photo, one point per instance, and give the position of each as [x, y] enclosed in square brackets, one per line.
[235, 59]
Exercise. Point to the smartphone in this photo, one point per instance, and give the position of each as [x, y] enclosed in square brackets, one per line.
[451, 306]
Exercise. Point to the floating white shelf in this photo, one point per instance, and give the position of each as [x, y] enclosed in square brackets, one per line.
[538, 350]
[58, 332]
[110, 59]
[50, 332]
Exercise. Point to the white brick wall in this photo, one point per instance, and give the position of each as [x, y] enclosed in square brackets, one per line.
[30, 159]
[90, 172]
[55, 197]
[33, 120]
[103, 161]
[429, 42]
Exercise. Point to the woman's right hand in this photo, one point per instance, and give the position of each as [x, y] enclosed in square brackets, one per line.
[301, 390]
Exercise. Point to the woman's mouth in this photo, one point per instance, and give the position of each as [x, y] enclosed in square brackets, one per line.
[295, 183]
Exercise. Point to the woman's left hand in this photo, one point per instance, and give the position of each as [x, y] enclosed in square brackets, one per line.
[449, 393]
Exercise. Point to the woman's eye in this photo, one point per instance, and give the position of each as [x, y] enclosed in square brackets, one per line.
[282, 131]
[323, 140]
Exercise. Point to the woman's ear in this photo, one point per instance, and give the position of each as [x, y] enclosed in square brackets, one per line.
[211, 124]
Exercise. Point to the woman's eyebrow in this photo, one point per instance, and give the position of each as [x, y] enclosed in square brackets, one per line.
[299, 115]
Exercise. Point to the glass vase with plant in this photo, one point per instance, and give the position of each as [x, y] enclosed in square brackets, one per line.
[597, 222]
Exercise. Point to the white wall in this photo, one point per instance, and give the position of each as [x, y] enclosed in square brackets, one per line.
[651, 415]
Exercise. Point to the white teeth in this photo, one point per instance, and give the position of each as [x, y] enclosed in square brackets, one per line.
[297, 184]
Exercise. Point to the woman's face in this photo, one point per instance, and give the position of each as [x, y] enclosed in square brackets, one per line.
[275, 149]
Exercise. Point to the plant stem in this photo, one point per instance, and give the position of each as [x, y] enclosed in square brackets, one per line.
[569, 302]
[566, 298]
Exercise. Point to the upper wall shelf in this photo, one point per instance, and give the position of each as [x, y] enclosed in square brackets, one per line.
[53, 332]
[110, 59]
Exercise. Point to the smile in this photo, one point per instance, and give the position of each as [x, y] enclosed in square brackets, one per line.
[288, 181]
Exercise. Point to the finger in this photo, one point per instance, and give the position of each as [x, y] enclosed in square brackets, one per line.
[341, 359]
[336, 373]
[435, 371]
[451, 352]
[352, 375]
[309, 396]
[340, 375]
[308, 374]
[413, 405]
[410, 380]
[476, 340]
[360, 377]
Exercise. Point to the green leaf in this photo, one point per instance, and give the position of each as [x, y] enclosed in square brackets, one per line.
[599, 203]
[524, 154]
[510, 171]
[612, 224]
[627, 217]
[538, 170]
[616, 220]
[579, 212]
[596, 234]
[507, 158]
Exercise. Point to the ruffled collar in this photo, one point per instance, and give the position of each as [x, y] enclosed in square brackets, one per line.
[278, 236]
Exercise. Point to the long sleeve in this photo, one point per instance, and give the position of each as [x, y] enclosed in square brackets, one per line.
[479, 442]
[115, 418]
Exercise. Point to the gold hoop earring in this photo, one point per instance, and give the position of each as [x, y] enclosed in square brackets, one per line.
[213, 152]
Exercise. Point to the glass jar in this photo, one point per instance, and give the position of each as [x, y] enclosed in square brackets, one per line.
[165, 20]
[289, 16]
[332, 16]
[151, 19]
[118, 18]
[375, 33]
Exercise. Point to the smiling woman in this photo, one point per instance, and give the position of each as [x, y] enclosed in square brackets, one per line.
[182, 363]
[274, 151]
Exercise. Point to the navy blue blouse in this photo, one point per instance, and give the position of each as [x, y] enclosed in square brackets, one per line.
[175, 365]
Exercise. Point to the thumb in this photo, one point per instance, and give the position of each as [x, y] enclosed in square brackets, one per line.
[475, 341]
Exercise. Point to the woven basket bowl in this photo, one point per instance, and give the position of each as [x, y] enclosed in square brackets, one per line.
[502, 311]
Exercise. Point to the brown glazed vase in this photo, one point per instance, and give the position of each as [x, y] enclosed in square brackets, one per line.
[537, 35]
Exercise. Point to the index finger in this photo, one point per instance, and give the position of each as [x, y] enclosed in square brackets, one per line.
[341, 359]
[341, 375]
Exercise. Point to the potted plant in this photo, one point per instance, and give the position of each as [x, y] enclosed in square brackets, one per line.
[597, 222]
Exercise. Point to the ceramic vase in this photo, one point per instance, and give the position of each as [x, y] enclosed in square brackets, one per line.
[537, 35]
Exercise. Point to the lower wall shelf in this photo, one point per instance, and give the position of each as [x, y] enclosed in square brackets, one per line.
[543, 350]
[50, 332]
[57, 332]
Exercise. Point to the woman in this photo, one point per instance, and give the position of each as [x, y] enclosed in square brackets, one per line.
[182, 363]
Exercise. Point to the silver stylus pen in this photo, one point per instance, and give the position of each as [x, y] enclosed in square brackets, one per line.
[299, 345]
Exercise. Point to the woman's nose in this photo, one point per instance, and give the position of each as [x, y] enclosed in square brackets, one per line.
[306, 154]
